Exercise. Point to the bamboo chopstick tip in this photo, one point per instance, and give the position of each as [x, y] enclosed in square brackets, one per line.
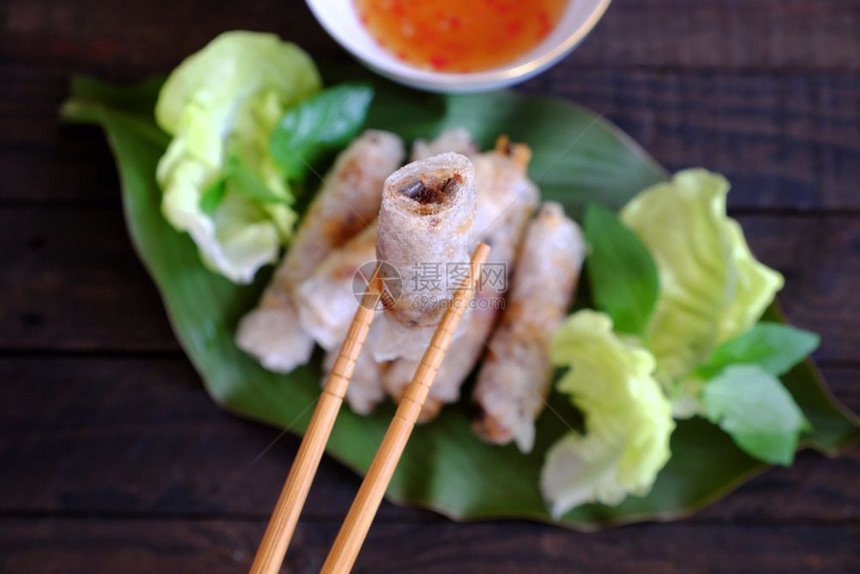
[481, 253]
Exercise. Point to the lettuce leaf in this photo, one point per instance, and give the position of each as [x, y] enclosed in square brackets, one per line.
[628, 420]
[221, 105]
[712, 289]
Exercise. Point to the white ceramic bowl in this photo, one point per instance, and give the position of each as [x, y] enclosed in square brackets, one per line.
[340, 20]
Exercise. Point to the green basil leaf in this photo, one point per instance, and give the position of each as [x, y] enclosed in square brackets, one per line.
[213, 195]
[774, 347]
[752, 406]
[623, 275]
[246, 182]
[319, 126]
[238, 178]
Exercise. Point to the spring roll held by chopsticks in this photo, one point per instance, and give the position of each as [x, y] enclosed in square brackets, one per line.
[425, 232]
[516, 375]
[347, 202]
[506, 200]
[326, 301]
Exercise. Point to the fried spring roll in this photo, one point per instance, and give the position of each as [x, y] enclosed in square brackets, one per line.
[348, 200]
[516, 375]
[365, 389]
[503, 187]
[326, 300]
[506, 201]
[425, 226]
[456, 140]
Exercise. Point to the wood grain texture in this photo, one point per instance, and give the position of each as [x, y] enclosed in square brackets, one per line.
[816, 34]
[215, 547]
[75, 289]
[127, 436]
[785, 140]
[74, 282]
[123, 437]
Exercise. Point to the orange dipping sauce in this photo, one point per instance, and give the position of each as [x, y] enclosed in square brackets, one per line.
[459, 35]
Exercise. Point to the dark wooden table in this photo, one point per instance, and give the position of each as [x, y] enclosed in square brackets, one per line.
[114, 459]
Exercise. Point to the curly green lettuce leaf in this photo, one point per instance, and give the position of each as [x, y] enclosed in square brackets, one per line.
[221, 105]
[628, 420]
[760, 415]
[712, 289]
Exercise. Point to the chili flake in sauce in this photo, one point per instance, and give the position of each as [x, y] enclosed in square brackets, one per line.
[459, 35]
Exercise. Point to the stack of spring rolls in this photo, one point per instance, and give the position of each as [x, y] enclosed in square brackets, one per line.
[427, 217]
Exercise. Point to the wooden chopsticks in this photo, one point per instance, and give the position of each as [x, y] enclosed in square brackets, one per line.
[346, 547]
[284, 518]
[351, 536]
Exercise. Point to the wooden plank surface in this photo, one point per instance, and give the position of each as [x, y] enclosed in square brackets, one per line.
[215, 547]
[785, 140]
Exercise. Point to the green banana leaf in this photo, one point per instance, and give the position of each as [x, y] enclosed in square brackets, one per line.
[577, 156]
